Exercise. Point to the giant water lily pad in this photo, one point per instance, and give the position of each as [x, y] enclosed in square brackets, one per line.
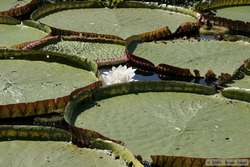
[11, 4]
[90, 50]
[220, 56]
[27, 81]
[13, 34]
[179, 124]
[48, 153]
[243, 83]
[235, 13]
[121, 22]
[239, 89]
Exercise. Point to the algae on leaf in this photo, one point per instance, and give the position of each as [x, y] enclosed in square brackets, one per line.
[178, 124]
[90, 50]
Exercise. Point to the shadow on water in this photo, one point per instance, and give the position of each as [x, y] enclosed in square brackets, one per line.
[132, 46]
[204, 82]
[226, 37]
[141, 76]
[209, 37]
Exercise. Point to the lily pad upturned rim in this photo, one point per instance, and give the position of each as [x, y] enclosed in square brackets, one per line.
[80, 101]
[38, 44]
[45, 106]
[22, 10]
[85, 98]
[43, 133]
[163, 160]
[131, 48]
[33, 55]
[202, 6]
[77, 38]
[30, 23]
[154, 5]
[52, 8]
[71, 111]
[27, 132]
[237, 93]
[48, 9]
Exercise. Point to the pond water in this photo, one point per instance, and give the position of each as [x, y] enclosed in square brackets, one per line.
[142, 76]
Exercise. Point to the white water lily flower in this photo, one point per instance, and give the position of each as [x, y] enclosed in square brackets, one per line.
[120, 74]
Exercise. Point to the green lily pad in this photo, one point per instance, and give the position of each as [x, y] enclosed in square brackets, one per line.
[220, 56]
[239, 89]
[235, 13]
[9, 4]
[179, 124]
[243, 83]
[27, 81]
[40, 154]
[90, 50]
[122, 22]
[16, 34]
